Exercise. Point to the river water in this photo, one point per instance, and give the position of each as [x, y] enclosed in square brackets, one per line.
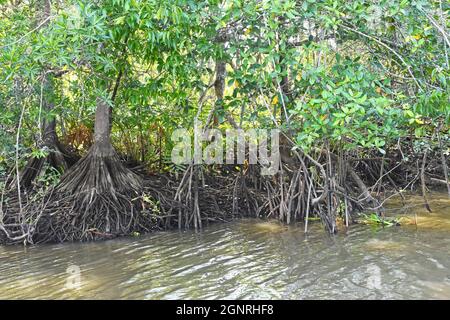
[246, 259]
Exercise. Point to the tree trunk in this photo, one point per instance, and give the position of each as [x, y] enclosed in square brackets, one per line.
[219, 87]
[101, 171]
[101, 195]
[102, 127]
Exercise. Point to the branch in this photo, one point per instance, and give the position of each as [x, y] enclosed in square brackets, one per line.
[387, 47]
[435, 24]
[26, 34]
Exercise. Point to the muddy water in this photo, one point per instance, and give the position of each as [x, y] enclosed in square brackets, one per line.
[246, 259]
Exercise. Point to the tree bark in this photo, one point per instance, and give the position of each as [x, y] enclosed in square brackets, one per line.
[219, 87]
[102, 126]
[422, 180]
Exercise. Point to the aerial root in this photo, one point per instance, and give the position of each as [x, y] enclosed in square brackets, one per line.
[99, 198]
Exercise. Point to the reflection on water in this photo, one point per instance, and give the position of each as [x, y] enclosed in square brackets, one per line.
[242, 260]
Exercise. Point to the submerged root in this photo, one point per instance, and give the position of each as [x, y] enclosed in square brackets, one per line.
[97, 198]
[100, 198]
[99, 217]
[287, 197]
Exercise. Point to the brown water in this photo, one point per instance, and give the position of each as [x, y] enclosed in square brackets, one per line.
[245, 259]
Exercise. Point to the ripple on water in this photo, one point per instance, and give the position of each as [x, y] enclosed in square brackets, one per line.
[242, 260]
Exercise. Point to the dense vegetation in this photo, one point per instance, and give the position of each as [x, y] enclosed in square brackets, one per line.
[91, 91]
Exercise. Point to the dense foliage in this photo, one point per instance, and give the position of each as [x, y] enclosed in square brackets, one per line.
[361, 73]
[363, 78]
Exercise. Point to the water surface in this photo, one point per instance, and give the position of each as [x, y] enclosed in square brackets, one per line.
[246, 259]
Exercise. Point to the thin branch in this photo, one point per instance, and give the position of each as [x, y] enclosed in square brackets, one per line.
[387, 47]
[28, 33]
